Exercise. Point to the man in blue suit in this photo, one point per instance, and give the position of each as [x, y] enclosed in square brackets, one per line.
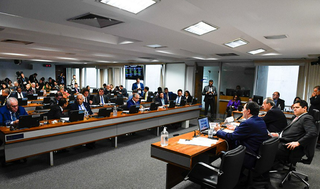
[138, 86]
[133, 101]
[9, 114]
[250, 133]
[81, 105]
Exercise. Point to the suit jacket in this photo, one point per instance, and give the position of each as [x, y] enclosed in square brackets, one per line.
[75, 106]
[182, 98]
[150, 94]
[87, 98]
[135, 86]
[15, 94]
[302, 130]
[55, 112]
[96, 99]
[189, 98]
[280, 103]
[124, 92]
[275, 120]
[170, 94]
[250, 133]
[158, 101]
[5, 114]
[209, 96]
[315, 104]
[131, 102]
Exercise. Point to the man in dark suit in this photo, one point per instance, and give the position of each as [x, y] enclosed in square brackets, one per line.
[19, 94]
[4, 96]
[168, 95]
[180, 97]
[81, 105]
[134, 101]
[250, 133]
[33, 78]
[277, 100]
[209, 91]
[315, 100]
[56, 99]
[86, 95]
[138, 86]
[147, 95]
[161, 100]
[76, 89]
[298, 133]
[100, 98]
[56, 111]
[9, 114]
[275, 119]
[123, 91]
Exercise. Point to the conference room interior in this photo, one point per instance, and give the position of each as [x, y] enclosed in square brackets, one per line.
[35, 38]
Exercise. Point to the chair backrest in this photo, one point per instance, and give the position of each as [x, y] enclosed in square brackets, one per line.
[267, 155]
[231, 164]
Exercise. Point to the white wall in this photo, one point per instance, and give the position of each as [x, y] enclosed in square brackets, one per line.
[175, 77]
[8, 69]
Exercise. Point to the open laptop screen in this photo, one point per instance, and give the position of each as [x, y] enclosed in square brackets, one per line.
[203, 123]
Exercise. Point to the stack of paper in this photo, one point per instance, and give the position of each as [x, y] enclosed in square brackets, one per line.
[199, 141]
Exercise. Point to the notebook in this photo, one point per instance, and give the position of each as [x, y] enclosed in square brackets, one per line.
[203, 124]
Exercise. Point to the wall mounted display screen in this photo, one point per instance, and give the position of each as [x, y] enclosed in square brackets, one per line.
[134, 72]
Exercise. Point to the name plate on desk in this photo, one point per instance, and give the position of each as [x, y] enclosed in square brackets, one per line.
[14, 137]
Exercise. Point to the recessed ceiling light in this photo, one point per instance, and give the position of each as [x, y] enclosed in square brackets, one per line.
[67, 58]
[271, 54]
[257, 51]
[126, 42]
[156, 46]
[103, 61]
[133, 6]
[236, 43]
[164, 52]
[41, 60]
[200, 28]
[102, 55]
[14, 54]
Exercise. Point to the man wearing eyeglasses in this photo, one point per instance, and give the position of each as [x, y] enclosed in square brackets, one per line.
[9, 114]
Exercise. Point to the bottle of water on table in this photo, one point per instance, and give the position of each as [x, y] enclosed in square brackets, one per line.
[164, 137]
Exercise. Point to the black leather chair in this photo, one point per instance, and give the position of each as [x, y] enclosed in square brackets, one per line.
[226, 176]
[293, 160]
[264, 163]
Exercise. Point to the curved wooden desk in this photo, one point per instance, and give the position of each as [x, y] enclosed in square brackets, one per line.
[48, 138]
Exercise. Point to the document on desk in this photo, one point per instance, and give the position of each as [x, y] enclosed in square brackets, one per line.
[228, 130]
[199, 141]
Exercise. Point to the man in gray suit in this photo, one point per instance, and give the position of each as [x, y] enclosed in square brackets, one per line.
[298, 134]
[209, 91]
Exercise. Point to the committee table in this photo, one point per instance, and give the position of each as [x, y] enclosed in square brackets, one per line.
[181, 158]
[23, 143]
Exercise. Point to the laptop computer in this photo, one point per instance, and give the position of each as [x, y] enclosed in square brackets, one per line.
[46, 100]
[132, 110]
[76, 115]
[172, 104]
[182, 103]
[104, 112]
[32, 97]
[204, 125]
[28, 121]
[154, 106]
[22, 101]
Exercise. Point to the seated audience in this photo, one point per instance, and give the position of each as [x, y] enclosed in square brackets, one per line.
[4, 96]
[147, 94]
[87, 96]
[161, 100]
[56, 111]
[278, 101]
[19, 94]
[179, 97]
[76, 88]
[64, 93]
[250, 133]
[22, 80]
[100, 98]
[81, 105]
[9, 114]
[168, 95]
[56, 99]
[28, 90]
[134, 101]
[123, 91]
[187, 96]
[47, 87]
[275, 119]
[233, 105]
[294, 101]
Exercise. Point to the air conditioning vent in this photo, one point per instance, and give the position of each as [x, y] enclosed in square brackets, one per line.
[94, 20]
[17, 42]
[276, 37]
[227, 54]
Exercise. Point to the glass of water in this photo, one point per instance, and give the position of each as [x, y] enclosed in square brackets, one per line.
[45, 119]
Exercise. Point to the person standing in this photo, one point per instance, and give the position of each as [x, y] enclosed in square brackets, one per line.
[209, 91]
[61, 79]
[138, 86]
[315, 100]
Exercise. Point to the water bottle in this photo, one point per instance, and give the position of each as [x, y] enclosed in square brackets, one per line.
[164, 137]
[115, 112]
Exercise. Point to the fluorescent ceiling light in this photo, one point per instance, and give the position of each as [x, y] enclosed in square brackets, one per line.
[103, 61]
[41, 60]
[133, 6]
[236, 43]
[200, 28]
[200, 58]
[256, 51]
[102, 55]
[271, 54]
[126, 42]
[155, 46]
[46, 49]
[14, 54]
[164, 52]
[67, 58]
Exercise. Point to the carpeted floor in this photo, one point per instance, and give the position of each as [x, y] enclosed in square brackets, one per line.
[128, 166]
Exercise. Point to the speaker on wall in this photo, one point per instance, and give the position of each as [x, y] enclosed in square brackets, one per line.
[18, 62]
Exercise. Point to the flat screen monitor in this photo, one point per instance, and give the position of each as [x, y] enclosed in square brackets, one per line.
[258, 99]
[154, 106]
[104, 112]
[172, 104]
[76, 115]
[230, 92]
[28, 121]
[46, 100]
[203, 123]
[134, 72]
[134, 109]
[22, 101]
[32, 97]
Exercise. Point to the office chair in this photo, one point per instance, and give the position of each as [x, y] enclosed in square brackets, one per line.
[293, 159]
[265, 161]
[224, 177]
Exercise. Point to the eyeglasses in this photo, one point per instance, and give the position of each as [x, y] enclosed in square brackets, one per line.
[296, 107]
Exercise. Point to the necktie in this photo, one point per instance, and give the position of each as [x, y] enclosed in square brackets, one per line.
[80, 107]
[20, 95]
[85, 99]
[14, 117]
[146, 96]
[101, 99]
[178, 100]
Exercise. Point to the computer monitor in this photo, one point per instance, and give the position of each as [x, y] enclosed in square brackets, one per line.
[104, 112]
[134, 109]
[22, 101]
[28, 121]
[32, 97]
[76, 115]
[154, 106]
[258, 99]
[203, 123]
[46, 100]
[230, 92]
